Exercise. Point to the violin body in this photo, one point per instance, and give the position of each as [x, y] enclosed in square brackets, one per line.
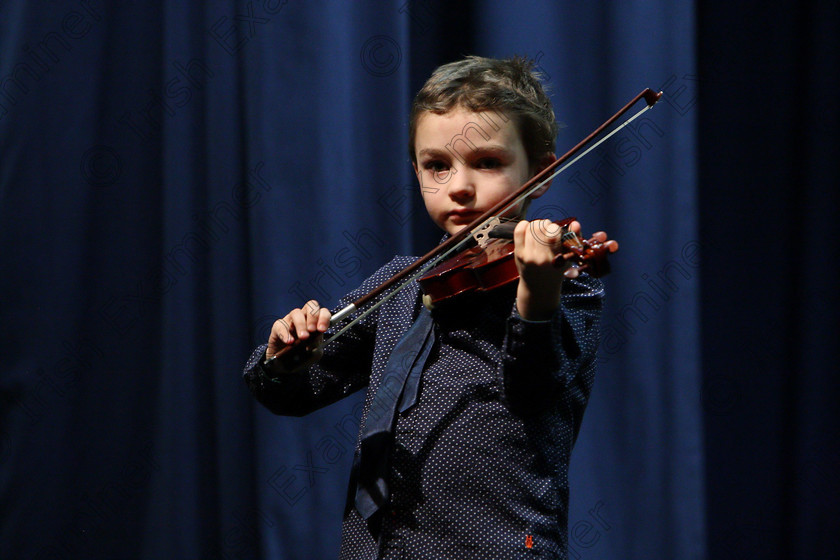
[478, 269]
[491, 265]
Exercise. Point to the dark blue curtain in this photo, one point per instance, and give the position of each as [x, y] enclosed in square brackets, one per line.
[771, 316]
[174, 176]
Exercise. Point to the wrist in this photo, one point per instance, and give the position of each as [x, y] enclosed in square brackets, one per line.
[537, 306]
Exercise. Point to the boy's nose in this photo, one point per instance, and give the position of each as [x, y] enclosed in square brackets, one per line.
[461, 185]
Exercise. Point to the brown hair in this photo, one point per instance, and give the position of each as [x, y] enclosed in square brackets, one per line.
[510, 86]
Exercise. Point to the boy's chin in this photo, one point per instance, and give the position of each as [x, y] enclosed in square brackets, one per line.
[452, 229]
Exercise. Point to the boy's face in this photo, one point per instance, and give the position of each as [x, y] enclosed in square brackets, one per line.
[466, 165]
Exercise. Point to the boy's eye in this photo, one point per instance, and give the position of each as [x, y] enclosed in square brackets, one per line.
[488, 163]
[435, 166]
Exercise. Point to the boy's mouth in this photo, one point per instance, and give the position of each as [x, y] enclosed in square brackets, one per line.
[464, 214]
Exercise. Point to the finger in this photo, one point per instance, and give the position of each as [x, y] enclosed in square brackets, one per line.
[279, 332]
[519, 234]
[535, 240]
[279, 337]
[313, 312]
[324, 316]
[546, 232]
[612, 246]
[297, 320]
[280, 329]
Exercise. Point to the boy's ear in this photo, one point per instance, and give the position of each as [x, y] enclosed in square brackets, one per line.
[547, 159]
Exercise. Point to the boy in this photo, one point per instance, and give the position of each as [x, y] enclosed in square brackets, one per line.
[466, 455]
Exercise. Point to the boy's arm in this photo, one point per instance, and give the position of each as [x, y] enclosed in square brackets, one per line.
[322, 375]
[553, 334]
[344, 367]
[543, 359]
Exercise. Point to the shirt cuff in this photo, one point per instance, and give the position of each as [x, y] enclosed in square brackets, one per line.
[519, 317]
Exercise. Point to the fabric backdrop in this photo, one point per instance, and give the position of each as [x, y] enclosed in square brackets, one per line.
[175, 176]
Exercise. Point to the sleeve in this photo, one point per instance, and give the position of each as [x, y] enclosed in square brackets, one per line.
[343, 369]
[549, 361]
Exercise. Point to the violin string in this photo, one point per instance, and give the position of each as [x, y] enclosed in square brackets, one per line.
[573, 238]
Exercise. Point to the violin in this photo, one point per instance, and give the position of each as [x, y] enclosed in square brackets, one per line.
[458, 255]
[490, 264]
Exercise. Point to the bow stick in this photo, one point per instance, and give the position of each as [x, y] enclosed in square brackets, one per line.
[459, 240]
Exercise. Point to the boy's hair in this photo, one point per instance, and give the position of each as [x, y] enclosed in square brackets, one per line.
[479, 84]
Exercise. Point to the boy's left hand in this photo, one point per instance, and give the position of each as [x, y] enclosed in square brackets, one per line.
[536, 244]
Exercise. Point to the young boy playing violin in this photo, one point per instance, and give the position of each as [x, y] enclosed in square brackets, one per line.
[471, 409]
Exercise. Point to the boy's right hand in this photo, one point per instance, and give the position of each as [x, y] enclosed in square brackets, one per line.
[306, 325]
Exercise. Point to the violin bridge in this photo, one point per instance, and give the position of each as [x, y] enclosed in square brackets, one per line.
[482, 233]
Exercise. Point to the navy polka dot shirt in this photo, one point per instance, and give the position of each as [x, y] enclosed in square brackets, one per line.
[478, 466]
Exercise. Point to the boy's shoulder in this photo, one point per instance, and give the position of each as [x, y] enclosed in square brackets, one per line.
[395, 265]
[386, 271]
[399, 262]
